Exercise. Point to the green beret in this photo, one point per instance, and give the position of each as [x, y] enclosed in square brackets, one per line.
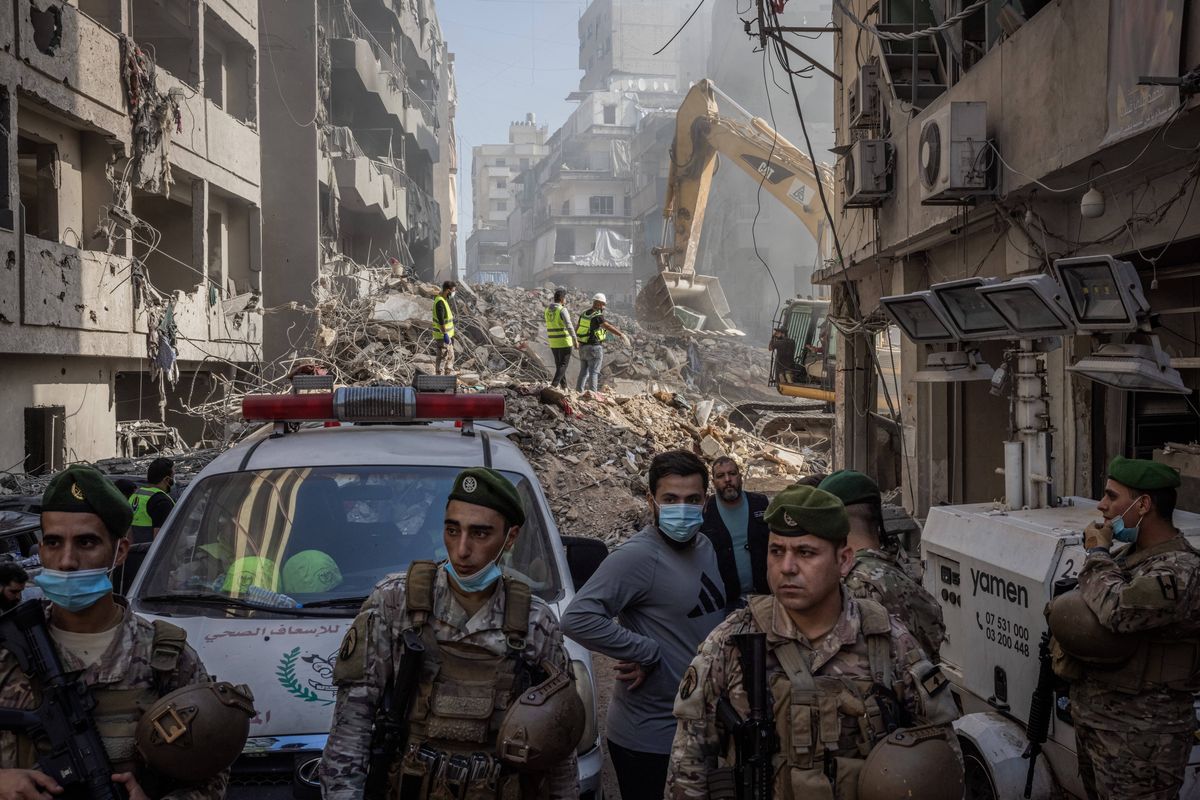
[488, 488]
[808, 511]
[851, 487]
[1139, 473]
[83, 490]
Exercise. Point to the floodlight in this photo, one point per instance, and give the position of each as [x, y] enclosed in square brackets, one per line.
[1032, 306]
[921, 317]
[970, 315]
[1132, 367]
[1104, 294]
[954, 366]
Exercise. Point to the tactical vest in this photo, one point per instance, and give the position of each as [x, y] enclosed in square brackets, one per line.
[827, 724]
[139, 501]
[118, 711]
[919, 612]
[1161, 661]
[462, 697]
[587, 331]
[440, 328]
[556, 326]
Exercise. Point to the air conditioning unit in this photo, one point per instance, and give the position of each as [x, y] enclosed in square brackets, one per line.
[863, 99]
[866, 173]
[951, 159]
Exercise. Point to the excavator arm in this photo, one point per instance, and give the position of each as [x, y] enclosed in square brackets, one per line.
[702, 131]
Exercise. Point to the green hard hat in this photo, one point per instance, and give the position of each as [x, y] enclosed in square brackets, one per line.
[250, 571]
[310, 571]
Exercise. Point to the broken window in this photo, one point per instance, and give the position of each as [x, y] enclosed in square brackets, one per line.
[166, 31]
[37, 167]
[164, 239]
[501, 183]
[610, 115]
[600, 205]
[45, 440]
[564, 244]
[230, 76]
[106, 12]
[524, 164]
[6, 125]
[47, 27]
[502, 205]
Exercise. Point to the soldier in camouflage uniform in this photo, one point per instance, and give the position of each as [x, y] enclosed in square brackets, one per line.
[858, 672]
[126, 662]
[878, 573]
[466, 612]
[1134, 724]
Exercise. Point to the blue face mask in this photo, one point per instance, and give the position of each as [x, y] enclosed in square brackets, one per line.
[481, 579]
[680, 521]
[74, 591]
[1122, 533]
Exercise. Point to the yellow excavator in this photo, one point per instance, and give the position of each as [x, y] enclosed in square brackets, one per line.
[679, 298]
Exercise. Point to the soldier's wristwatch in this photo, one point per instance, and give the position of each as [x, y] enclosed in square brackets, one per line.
[1091, 551]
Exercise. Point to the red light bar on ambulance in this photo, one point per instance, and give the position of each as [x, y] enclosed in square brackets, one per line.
[371, 404]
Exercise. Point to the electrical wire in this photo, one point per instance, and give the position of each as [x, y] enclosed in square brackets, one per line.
[681, 27]
[758, 194]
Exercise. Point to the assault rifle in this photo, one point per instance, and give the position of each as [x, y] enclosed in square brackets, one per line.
[76, 758]
[754, 736]
[391, 724]
[1041, 702]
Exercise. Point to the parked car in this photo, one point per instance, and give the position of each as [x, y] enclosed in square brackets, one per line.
[369, 496]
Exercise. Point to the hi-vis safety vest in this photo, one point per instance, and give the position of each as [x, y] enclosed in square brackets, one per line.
[139, 501]
[443, 329]
[587, 332]
[556, 326]
[463, 694]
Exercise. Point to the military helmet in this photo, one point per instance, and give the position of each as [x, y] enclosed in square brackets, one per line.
[195, 732]
[543, 725]
[1079, 632]
[912, 762]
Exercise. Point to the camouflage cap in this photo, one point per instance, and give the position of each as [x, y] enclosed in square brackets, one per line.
[851, 487]
[480, 486]
[84, 490]
[808, 511]
[1140, 473]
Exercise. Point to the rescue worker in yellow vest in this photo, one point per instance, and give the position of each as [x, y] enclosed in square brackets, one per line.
[127, 663]
[488, 709]
[847, 687]
[593, 329]
[1134, 719]
[562, 337]
[152, 503]
[443, 329]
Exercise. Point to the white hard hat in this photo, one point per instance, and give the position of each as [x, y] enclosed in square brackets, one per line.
[599, 297]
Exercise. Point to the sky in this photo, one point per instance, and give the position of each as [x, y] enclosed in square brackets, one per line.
[511, 57]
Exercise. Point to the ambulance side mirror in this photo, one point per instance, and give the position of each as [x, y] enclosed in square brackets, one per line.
[583, 558]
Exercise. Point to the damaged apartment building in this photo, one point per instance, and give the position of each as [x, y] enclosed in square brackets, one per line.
[129, 221]
[575, 222]
[358, 149]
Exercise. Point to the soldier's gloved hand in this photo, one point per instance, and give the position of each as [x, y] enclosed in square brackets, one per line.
[27, 784]
[1098, 534]
[131, 785]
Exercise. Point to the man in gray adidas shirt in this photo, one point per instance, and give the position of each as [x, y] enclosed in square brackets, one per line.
[664, 586]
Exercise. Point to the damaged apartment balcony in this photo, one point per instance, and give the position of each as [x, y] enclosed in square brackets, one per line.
[365, 186]
[82, 302]
[366, 78]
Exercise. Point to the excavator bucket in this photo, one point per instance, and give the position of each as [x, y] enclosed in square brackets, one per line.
[692, 302]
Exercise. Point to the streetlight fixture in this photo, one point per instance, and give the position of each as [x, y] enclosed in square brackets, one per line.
[1105, 295]
[971, 316]
[1032, 306]
[1132, 368]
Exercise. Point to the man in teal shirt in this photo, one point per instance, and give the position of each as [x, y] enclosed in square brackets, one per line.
[733, 522]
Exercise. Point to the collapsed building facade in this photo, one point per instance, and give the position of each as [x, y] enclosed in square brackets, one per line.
[129, 219]
[359, 151]
[1059, 153]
